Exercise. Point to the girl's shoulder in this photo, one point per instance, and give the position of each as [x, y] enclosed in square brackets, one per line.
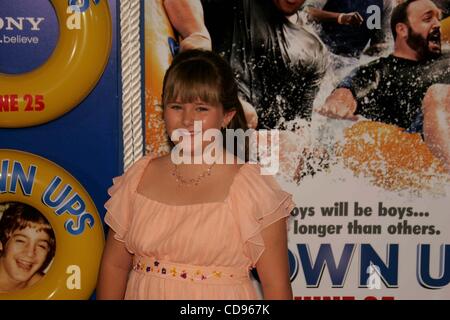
[132, 175]
[257, 200]
[255, 184]
[138, 168]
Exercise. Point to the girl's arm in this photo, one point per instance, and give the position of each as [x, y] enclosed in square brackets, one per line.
[114, 269]
[273, 265]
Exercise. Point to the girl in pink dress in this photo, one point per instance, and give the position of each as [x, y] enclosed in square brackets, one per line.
[194, 231]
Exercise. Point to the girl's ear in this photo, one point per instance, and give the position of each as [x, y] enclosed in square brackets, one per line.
[228, 117]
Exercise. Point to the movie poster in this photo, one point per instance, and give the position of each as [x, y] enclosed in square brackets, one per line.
[362, 112]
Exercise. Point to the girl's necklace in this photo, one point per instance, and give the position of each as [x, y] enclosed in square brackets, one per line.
[193, 181]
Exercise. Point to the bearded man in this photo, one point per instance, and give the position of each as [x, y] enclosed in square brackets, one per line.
[391, 89]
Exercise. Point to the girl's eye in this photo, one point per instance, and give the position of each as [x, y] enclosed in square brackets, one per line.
[175, 107]
[202, 109]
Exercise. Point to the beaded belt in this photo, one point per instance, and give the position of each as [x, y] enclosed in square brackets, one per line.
[184, 272]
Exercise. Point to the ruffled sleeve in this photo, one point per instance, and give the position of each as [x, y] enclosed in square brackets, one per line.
[120, 204]
[257, 201]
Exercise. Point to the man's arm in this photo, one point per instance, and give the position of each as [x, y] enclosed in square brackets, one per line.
[314, 8]
[436, 125]
[186, 16]
[348, 100]
[342, 103]
[319, 15]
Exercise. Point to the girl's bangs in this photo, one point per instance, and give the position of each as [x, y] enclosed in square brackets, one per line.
[192, 83]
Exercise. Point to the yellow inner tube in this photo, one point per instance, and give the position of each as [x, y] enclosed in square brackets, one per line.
[79, 235]
[445, 29]
[67, 77]
[392, 158]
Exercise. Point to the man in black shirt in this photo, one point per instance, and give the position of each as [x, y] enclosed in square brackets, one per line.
[391, 89]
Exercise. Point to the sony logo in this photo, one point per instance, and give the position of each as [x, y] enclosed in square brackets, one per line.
[19, 23]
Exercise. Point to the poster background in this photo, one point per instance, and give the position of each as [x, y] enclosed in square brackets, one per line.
[87, 141]
[337, 183]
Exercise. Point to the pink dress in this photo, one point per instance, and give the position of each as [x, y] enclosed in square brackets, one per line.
[200, 251]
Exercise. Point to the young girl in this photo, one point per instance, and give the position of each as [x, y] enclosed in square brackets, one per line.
[193, 231]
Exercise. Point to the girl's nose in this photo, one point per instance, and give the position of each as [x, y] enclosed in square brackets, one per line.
[188, 118]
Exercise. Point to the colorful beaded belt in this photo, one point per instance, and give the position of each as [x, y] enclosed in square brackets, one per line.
[184, 272]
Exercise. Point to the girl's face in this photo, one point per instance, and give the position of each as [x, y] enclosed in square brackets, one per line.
[24, 253]
[180, 115]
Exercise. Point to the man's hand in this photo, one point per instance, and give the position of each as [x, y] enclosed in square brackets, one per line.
[340, 105]
[197, 40]
[351, 19]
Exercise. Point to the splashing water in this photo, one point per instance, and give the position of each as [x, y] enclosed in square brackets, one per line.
[380, 156]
